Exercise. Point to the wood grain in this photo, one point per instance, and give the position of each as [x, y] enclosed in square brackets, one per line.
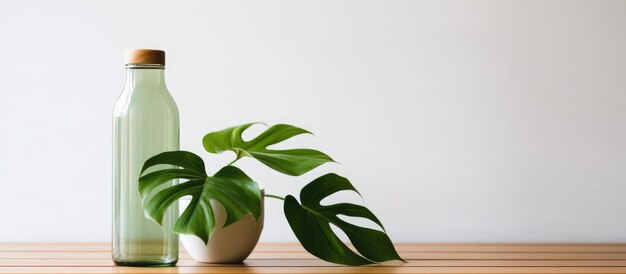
[292, 258]
[145, 56]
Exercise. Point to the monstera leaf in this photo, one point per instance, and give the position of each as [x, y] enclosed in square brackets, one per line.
[310, 221]
[231, 187]
[291, 161]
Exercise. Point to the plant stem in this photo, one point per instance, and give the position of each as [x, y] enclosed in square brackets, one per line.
[275, 197]
[233, 162]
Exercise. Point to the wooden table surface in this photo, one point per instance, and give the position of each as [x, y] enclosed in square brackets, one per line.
[291, 258]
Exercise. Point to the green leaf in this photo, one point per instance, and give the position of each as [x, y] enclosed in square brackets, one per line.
[291, 161]
[152, 180]
[231, 187]
[310, 221]
[184, 159]
[236, 192]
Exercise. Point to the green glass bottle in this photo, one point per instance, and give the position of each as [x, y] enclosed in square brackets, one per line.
[145, 123]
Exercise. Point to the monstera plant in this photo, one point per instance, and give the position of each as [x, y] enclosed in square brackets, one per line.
[240, 196]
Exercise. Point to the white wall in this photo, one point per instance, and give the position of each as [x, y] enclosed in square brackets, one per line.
[458, 121]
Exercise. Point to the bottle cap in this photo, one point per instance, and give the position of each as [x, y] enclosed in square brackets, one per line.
[145, 57]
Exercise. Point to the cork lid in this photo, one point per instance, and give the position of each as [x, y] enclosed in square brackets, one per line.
[145, 57]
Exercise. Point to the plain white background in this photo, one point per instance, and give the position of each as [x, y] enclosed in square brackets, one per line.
[459, 121]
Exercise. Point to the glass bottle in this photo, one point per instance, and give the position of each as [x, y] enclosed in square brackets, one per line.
[145, 123]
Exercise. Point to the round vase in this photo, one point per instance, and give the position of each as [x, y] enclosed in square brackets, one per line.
[231, 244]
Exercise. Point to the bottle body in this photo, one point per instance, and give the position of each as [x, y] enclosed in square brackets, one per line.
[145, 123]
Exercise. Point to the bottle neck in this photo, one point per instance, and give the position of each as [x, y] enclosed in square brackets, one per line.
[145, 75]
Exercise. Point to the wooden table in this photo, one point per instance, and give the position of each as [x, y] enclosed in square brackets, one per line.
[291, 258]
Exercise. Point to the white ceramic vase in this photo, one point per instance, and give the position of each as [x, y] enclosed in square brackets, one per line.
[231, 244]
